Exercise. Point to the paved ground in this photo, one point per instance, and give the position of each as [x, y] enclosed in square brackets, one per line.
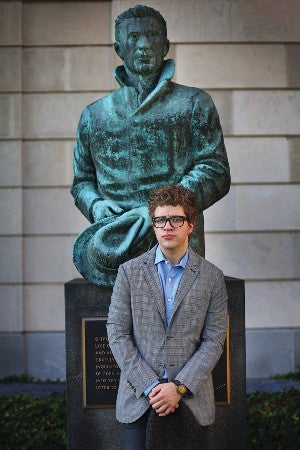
[44, 389]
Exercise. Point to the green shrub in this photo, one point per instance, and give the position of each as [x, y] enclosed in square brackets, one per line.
[29, 423]
[288, 376]
[25, 378]
[21, 378]
[274, 420]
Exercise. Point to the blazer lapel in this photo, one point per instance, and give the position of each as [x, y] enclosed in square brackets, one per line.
[190, 274]
[153, 282]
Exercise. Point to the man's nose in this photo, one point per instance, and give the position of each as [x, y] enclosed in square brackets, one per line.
[168, 224]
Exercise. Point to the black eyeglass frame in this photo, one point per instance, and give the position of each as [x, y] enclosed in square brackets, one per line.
[169, 219]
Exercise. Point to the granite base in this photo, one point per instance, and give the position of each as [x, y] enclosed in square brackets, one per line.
[97, 428]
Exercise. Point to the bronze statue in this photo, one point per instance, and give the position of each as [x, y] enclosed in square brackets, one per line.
[148, 133]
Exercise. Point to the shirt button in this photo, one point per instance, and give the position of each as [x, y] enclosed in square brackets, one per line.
[169, 299]
[134, 186]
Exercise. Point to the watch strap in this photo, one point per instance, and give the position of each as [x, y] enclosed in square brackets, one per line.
[182, 389]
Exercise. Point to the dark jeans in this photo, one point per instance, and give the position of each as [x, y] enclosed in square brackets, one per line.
[133, 435]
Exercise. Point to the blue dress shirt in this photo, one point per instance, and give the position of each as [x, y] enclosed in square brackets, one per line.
[170, 277]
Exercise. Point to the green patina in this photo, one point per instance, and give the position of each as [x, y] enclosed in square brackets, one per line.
[148, 133]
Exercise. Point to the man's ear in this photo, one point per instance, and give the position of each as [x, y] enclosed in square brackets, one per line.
[167, 46]
[117, 48]
[191, 227]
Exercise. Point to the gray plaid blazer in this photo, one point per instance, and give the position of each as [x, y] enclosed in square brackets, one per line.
[189, 347]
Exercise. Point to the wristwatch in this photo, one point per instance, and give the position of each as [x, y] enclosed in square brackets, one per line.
[180, 388]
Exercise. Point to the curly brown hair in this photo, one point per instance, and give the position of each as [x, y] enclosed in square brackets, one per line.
[174, 195]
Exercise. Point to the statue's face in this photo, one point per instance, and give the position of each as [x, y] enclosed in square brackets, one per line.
[142, 45]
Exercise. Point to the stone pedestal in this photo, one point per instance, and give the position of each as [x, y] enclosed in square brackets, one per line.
[96, 428]
[229, 429]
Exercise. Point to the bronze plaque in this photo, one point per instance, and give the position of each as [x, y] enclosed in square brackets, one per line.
[101, 373]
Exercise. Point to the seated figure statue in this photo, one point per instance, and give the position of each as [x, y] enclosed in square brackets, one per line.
[148, 133]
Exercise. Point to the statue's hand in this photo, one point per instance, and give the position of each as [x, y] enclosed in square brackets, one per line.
[105, 208]
[141, 211]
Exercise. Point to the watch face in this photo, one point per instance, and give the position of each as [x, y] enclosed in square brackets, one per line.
[182, 389]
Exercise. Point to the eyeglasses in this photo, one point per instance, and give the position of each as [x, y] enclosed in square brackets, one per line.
[174, 221]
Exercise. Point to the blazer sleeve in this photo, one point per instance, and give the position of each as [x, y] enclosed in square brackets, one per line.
[200, 366]
[133, 367]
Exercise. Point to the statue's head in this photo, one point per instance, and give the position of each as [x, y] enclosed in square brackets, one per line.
[141, 40]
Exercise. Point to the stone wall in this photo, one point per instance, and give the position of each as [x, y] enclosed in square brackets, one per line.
[56, 57]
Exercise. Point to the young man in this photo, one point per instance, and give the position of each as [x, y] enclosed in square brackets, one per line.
[167, 322]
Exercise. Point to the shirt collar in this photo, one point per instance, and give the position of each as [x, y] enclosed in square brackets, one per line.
[159, 257]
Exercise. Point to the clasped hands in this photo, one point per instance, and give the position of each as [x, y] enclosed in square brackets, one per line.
[164, 398]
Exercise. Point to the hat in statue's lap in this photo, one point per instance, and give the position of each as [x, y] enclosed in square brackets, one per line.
[103, 246]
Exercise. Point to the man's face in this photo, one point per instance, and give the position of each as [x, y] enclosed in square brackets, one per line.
[142, 45]
[172, 239]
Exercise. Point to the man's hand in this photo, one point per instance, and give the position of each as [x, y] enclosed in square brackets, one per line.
[164, 398]
[105, 208]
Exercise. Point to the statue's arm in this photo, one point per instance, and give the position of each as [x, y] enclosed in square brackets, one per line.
[209, 177]
[85, 188]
